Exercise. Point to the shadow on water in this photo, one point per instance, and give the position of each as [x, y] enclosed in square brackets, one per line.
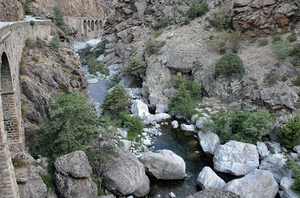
[186, 145]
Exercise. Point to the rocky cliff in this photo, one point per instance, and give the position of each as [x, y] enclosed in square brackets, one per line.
[46, 71]
[11, 10]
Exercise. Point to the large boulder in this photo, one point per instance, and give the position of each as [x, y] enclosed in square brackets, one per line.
[285, 185]
[209, 141]
[207, 178]
[257, 183]
[125, 175]
[73, 176]
[31, 185]
[139, 109]
[215, 193]
[164, 164]
[275, 164]
[236, 158]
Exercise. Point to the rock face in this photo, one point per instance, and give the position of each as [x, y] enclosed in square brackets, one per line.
[263, 17]
[215, 193]
[42, 81]
[164, 164]
[11, 10]
[257, 183]
[209, 141]
[236, 158]
[72, 176]
[207, 178]
[125, 175]
[31, 185]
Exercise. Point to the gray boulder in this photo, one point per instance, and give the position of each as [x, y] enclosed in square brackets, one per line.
[72, 176]
[125, 175]
[236, 158]
[257, 183]
[207, 178]
[262, 149]
[139, 109]
[285, 185]
[188, 127]
[214, 193]
[275, 164]
[209, 141]
[74, 164]
[164, 164]
[33, 186]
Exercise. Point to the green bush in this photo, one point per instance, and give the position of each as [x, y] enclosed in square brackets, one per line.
[182, 103]
[55, 42]
[295, 168]
[30, 43]
[222, 19]
[116, 101]
[195, 11]
[163, 22]
[227, 41]
[58, 20]
[47, 179]
[157, 33]
[186, 21]
[153, 46]
[148, 11]
[27, 9]
[32, 23]
[290, 133]
[137, 68]
[292, 38]
[297, 82]
[35, 59]
[72, 125]
[134, 125]
[282, 49]
[263, 42]
[230, 64]
[276, 38]
[195, 91]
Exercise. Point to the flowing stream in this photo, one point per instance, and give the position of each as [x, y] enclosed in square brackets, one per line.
[184, 144]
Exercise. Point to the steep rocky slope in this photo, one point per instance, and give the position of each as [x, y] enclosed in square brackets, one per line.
[45, 72]
[187, 51]
[8, 10]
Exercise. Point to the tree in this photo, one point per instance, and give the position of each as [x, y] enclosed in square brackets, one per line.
[27, 9]
[182, 103]
[290, 132]
[116, 101]
[71, 126]
[230, 64]
[58, 20]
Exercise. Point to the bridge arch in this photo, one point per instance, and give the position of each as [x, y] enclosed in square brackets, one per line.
[92, 25]
[10, 120]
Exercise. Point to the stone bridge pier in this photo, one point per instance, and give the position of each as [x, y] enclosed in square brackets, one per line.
[12, 40]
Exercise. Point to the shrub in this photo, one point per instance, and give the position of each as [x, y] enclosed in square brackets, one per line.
[153, 46]
[222, 19]
[136, 68]
[35, 59]
[227, 41]
[27, 9]
[58, 20]
[55, 42]
[276, 38]
[32, 23]
[134, 125]
[116, 101]
[47, 179]
[195, 11]
[195, 90]
[262, 43]
[164, 22]
[157, 33]
[186, 21]
[29, 43]
[292, 38]
[230, 64]
[182, 103]
[295, 168]
[297, 82]
[290, 132]
[148, 11]
[282, 49]
[253, 125]
[72, 125]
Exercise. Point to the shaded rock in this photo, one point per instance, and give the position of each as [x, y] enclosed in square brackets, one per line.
[125, 175]
[140, 109]
[209, 141]
[33, 186]
[188, 127]
[125, 144]
[285, 184]
[200, 122]
[257, 183]
[207, 178]
[275, 164]
[262, 149]
[214, 193]
[74, 164]
[72, 176]
[236, 158]
[164, 164]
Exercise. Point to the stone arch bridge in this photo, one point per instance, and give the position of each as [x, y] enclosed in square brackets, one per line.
[12, 41]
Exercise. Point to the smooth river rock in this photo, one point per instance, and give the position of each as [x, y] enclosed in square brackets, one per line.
[209, 141]
[164, 164]
[207, 178]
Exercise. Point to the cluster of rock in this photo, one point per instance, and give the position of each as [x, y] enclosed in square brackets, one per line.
[264, 17]
[11, 10]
